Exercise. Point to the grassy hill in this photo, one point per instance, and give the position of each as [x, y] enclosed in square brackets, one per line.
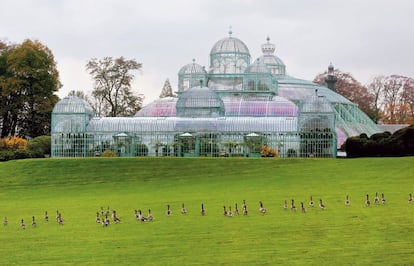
[78, 188]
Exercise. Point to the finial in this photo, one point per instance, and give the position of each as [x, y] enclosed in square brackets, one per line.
[268, 39]
[230, 31]
[193, 60]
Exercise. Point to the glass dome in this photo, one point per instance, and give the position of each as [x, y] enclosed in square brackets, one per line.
[258, 66]
[163, 107]
[259, 79]
[199, 102]
[190, 75]
[274, 63]
[229, 56]
[71, 115]
[72, 105]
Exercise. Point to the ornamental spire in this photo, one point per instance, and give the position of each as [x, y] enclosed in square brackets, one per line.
[268, 48]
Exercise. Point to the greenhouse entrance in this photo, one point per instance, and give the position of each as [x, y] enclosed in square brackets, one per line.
[253, 143]
[124, 145]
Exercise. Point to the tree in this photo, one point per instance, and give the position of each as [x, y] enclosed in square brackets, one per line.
[394, 96]
[28, 82]
[112, 90]
[375, 88]
[351, 89]
[166, 90]
[408, 99]
[79, 94]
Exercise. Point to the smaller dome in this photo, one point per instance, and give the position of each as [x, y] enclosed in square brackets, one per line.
[199, 102]
[163, 107]
[258, 66]
[72, 105]
[192, 68]
[274, 63]
[190, 75]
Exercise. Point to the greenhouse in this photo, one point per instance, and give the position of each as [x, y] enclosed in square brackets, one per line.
[235, 108]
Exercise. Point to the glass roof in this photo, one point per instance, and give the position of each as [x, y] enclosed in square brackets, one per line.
[192, 68]
[114, 125]
[229, 45]
[73, 105]
[160, 107]
[297, 89]
[278, 106]
[315, 104]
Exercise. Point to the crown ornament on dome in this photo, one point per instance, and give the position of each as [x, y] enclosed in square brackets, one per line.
[268, 48]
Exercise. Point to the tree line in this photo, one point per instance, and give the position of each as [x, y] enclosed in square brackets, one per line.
[386, 99]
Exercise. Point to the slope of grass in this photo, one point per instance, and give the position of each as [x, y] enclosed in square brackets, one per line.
[78, 188]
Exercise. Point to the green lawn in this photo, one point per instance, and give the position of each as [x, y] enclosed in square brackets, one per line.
[78, 188]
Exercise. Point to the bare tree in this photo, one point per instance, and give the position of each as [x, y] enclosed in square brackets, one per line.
[394, 96]
[112, 91]
[408, 96]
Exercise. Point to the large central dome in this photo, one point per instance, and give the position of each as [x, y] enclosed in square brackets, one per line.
[229, 56]
[230, 45]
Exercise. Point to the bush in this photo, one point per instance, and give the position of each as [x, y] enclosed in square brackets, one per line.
[268, 152]
[3, 144]
[7, 155]
[22, 154]
[39, 146]
[401, 143]
[108, 153]
[15, 143]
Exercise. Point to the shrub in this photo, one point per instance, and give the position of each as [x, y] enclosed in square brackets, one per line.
[268, 152]
[3, 144]
[39, 146]
[7, 155]
[108, 153]
[401, 143]
[15, 143]
[22, 154]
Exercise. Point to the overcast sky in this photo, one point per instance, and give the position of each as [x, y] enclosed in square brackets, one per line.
[364, 37]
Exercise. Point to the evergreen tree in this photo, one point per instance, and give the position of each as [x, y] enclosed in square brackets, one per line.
[166, 90]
